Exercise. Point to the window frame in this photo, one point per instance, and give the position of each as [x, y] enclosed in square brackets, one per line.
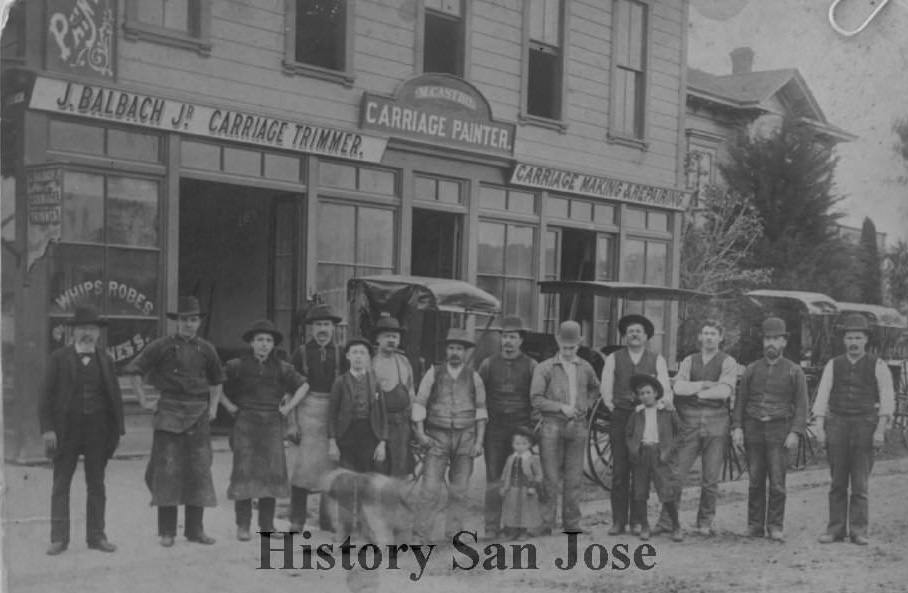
[292, 67]
[615, 136]
[524, 116]
[136, 30]
[505, 276]
[466, 36]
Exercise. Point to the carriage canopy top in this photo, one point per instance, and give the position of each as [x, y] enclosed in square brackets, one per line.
[420, 292]
[629, 290]
[816, 303]
[876, 314]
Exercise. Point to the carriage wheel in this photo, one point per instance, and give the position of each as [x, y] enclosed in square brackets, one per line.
[598, 466]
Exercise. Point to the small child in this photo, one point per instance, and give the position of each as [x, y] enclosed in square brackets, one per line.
[521, 481]
[651, 441]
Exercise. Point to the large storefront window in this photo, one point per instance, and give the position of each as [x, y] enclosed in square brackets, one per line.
[109, 257]
[353, 241]
[506, 266]
[647, 262]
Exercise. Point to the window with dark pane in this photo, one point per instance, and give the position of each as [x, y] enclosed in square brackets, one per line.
[505, 265]
[629, 55]
[544, 68]
[443, 37]
[177, 15]
[321, 30]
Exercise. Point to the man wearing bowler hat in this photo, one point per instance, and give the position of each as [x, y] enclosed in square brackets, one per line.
[81, 412]
[187, 372]
[854, 402]
[395, 379]
[507, 376]
[563, 388]
[619, 398]
[769, 416]
[450, 416]
[321, 361]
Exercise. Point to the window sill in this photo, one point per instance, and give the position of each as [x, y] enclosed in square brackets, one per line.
[543, 122]
[637, 143]
[293, 68]
[134, 31]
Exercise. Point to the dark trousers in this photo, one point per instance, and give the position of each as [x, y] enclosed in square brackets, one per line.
[299, 502]
[243, 509]
[167, 521]
[562, 449]
[85, 434]
[496, 448]
[357, 446]
[622, 512]
[767, 459]
[849, 449]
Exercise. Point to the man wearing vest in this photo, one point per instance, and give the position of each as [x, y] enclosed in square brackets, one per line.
[320, 361]
[81, 412]
[854, 402]
[395, 379]
[703, 386]
[617, 396]
[506, 376]
[769, 416]
[564, 387]
[450, 416]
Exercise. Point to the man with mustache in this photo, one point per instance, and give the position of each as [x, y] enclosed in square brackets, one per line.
[81, 412]
[769, 416]
[188, 373]
[854, 402]
[621, 401]
[395, 379]
[450, 416]
[507, 376]
[321, 361]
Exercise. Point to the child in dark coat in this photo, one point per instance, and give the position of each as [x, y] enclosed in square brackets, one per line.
[651, 441]
[521, 482]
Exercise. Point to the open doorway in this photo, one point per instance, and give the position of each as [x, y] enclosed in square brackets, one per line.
[238, 255]
[578, 262]
[436, 244]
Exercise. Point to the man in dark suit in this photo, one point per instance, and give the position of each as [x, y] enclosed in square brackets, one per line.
[81, 412]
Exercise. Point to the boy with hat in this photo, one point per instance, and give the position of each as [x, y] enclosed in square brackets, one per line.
[187, 372]
[563, 388]
[254, 393]
[395, 379]
[450, 416]
[769, 416]
[357, 421]
[507, 376]
[320, 360]
[651, 443]
[81, 412]
[854, 402]
[618, 397]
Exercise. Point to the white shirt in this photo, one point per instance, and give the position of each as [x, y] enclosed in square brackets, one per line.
[570, 369]
[883, 381]
[650, 425]
[607, 385]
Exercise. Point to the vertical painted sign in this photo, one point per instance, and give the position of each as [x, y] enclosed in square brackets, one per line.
[81, 37]
[44, 193]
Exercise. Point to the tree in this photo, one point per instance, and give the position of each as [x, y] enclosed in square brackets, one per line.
[897, 274]
[788, 176]
[869, 256]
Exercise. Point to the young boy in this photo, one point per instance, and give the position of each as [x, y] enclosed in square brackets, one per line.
[651, 438]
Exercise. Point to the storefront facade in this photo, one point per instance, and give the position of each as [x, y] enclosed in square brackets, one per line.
[199, 158]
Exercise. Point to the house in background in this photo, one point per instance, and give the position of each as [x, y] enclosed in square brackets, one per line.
[719, 107]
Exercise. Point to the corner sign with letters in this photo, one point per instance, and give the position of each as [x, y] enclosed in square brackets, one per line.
[438, 109]
[80, 37]
[44, 200]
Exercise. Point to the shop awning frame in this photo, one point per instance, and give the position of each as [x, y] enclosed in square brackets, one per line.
[627, 290]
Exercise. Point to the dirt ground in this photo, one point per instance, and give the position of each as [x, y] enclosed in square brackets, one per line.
[726, 562]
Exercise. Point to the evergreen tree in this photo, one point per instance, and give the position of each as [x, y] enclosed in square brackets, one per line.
[871, 274]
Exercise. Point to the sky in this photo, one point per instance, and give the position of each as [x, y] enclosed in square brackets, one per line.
[860, 83]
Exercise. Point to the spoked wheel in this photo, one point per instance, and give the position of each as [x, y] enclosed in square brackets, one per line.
[598, 466]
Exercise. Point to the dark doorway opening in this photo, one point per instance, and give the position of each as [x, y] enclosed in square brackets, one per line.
[578, 262]
[436, 244]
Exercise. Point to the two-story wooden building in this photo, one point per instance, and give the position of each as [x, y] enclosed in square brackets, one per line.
[257, 152]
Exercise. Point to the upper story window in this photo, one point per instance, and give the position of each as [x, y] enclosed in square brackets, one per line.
[13, 41]
[444, 37]
[545, 58]
[181, 23]
[629, 63]
[319, 39]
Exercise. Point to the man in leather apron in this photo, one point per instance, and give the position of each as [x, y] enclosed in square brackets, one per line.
[395, 379]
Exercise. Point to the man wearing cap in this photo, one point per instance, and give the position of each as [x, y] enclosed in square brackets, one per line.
[255, 393]
[563, 388]
[769, 416]
[187, 372]
[395, 379]
[507, 376]
[450, 416]
[80, 412]
[620, 400]
[357, 421]
[703, 387]
[321, 361]
[854, 402]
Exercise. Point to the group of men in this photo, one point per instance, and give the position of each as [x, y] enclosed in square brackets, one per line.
[367, 409]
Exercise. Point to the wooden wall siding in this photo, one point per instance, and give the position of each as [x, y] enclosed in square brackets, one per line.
[244, 71]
